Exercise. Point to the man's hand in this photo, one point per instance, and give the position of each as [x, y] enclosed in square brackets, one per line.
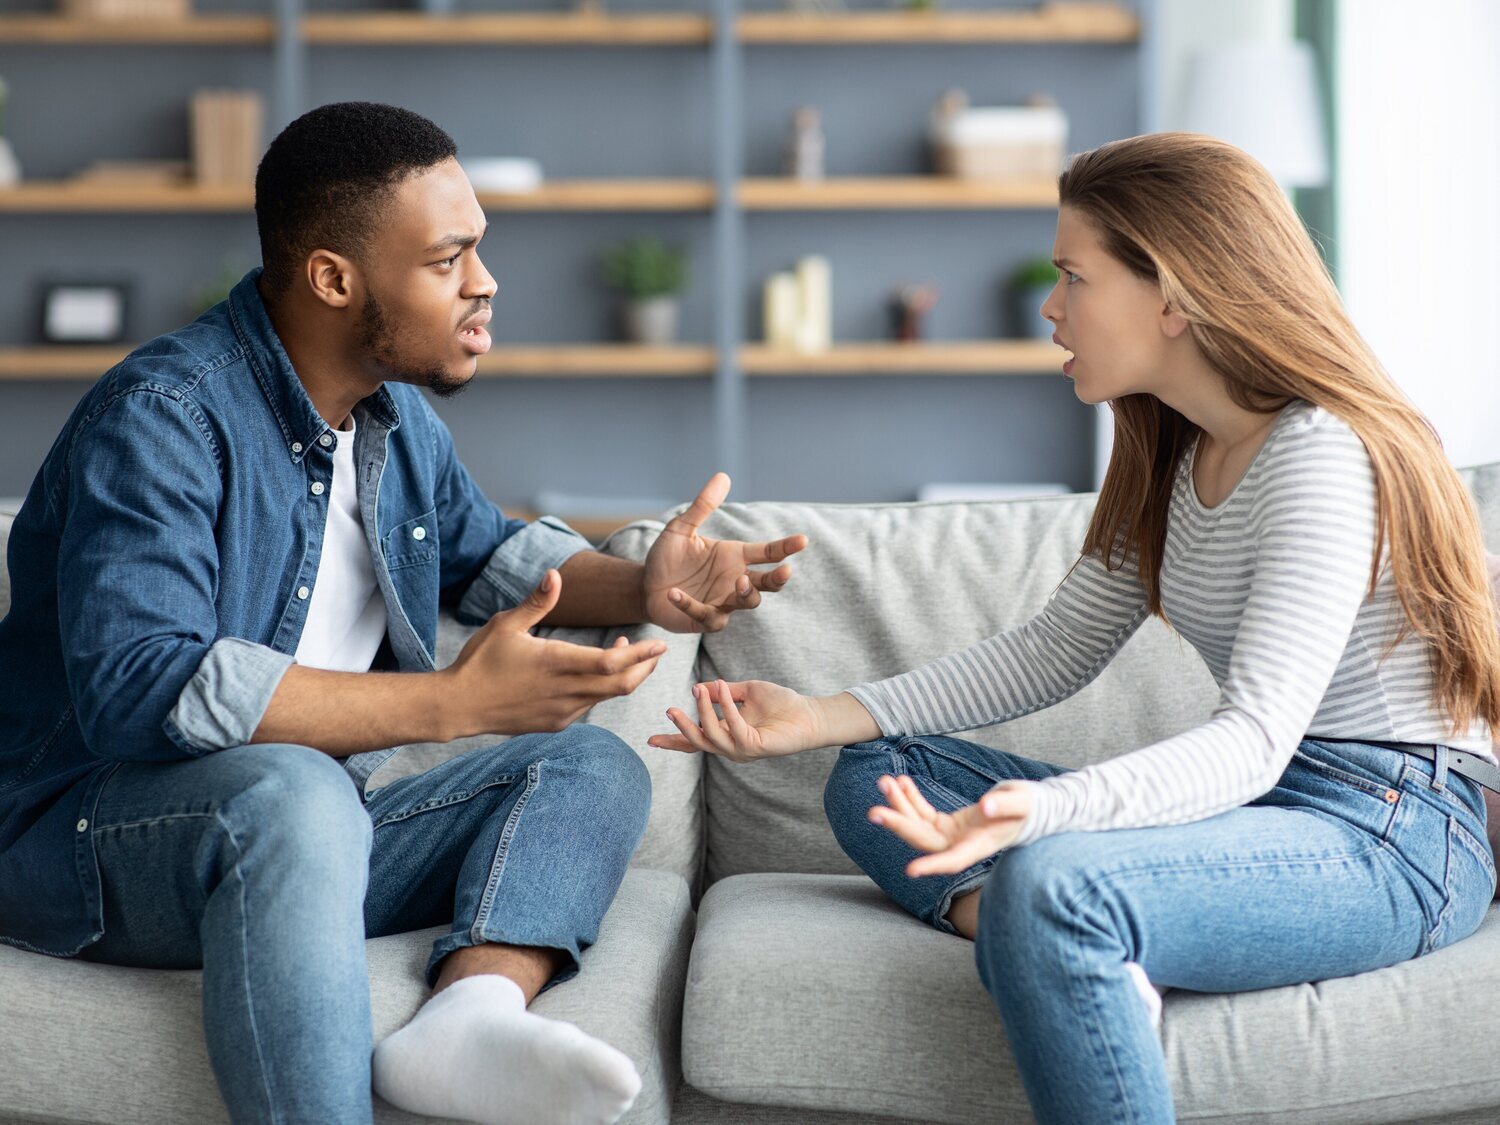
[507, 681]
[693, 584]
[956, 840]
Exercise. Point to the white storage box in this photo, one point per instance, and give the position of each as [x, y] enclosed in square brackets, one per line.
[1010, 142]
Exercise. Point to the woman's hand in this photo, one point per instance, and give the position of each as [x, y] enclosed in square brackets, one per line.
[764, 720]
[955, 840]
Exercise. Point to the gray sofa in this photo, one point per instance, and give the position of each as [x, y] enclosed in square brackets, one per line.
[796, 993]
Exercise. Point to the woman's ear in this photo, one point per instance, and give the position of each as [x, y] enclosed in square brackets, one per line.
[1173, 324]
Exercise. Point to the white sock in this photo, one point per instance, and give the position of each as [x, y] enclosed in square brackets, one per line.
[473, 1051]
[1149, 996]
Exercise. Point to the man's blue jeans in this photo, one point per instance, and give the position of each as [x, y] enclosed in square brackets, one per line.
[1360, 857]
[264, 865]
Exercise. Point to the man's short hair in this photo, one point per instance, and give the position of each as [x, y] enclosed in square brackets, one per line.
[325, 181]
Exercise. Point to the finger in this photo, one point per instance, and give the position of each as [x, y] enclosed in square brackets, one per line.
[671, 742]
[621, 642]
[746, 596]
[621, 658]
[690, 732]
[540, 602]
[965, 853]
[712, 726]
[709, 618]
[775, 551]
[771, 581]
[705, 504]
[1004, 804]
[915, 831]
[739, 730]
[918, 801]
[896, 797]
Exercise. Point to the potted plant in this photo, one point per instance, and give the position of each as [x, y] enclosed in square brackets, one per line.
[1030, 283]
[648, 276]
[10, 169]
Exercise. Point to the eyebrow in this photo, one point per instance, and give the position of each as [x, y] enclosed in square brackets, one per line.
[1064, 263]
[462, 241]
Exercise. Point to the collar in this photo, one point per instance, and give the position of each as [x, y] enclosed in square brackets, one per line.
[301, 424]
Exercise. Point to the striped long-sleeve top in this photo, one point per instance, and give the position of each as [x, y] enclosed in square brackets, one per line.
[1271, 587]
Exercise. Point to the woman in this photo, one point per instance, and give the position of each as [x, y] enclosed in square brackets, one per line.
[1275, 499]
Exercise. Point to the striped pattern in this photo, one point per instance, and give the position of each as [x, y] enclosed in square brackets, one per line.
[1270, 587]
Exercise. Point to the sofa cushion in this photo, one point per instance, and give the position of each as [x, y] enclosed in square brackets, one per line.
[816, 992]
[674, 833]
[81, 1042]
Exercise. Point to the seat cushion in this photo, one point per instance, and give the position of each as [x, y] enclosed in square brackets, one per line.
[815, 992]
[81, 1042]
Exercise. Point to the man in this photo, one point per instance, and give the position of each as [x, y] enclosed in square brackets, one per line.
[239, 523]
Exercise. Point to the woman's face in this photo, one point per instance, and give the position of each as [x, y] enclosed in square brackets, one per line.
[1115, 323]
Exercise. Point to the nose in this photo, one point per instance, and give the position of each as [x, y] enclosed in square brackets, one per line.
[481, 283]
[1052, 306]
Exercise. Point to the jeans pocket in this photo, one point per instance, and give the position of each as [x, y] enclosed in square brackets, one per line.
[1468, 887]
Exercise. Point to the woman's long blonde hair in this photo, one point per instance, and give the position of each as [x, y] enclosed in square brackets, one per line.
[1207, 223]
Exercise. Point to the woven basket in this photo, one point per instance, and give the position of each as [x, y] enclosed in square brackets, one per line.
[126, 9]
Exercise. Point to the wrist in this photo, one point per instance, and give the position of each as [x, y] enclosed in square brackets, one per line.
[454, 707]
[841, 720]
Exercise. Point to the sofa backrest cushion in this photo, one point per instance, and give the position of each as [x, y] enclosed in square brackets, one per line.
[5, 520]
[882, 588]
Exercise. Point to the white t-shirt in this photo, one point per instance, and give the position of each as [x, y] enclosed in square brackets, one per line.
[346, 619]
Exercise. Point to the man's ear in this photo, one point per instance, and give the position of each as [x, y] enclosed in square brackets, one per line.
[331, 277]
[1173, 324]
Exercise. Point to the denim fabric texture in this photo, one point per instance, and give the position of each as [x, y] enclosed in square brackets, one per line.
[264, 866]
[161, 569]
[1360, 857]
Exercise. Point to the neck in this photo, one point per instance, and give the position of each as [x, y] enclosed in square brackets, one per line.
[326, 363]
[1200, 394]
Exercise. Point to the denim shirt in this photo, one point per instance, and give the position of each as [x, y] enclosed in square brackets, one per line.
[161, 571]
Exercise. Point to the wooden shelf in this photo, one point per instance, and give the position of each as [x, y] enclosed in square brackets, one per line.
[978, 357]
[597, 360]
[1057, 23]
[400, 29]
[561, 195]
[246, 30]
[895, 193]
[503, 361]
[605, 195]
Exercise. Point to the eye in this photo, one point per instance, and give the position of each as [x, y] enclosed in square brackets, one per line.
[447, 263]
[1071, 276]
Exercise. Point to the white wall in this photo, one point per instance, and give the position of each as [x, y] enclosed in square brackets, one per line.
[1419, 205]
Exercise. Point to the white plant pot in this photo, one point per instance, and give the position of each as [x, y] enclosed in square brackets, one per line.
[652, 321]
[10, 167]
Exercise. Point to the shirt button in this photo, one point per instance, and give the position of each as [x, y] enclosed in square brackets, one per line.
[296, 447]
[325, 441]
[302, 592]
[317, 488]
[419, 533]
[83, 826]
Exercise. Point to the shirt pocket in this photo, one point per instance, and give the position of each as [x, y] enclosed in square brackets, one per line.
[411, 543]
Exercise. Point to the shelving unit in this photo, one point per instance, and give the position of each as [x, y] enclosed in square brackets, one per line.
[731, 197]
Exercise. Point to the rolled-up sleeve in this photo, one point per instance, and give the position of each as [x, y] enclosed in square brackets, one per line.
[138, 572]
[489, 562]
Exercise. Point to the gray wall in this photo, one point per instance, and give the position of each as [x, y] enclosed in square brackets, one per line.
[609, 112]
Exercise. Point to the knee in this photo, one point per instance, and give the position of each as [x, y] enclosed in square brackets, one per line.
[602, 762]
[851, 789]
[1037, 892]
[300, 802]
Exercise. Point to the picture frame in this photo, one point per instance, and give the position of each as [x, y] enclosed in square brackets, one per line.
[84, 312]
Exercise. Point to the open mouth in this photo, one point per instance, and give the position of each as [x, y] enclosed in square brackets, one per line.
[1072, 356]
[476, 338]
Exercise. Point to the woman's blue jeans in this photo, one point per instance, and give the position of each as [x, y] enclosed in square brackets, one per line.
[1362, 856]
[265, 866]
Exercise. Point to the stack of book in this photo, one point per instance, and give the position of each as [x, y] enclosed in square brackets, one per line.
[227, 135]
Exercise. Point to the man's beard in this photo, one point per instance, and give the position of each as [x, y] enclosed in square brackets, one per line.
[378, 343]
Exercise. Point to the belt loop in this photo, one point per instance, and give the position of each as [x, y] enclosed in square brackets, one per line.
[1439, 767]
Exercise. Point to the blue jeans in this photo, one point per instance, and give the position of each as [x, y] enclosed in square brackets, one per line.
[1360, 857]
[265, 866]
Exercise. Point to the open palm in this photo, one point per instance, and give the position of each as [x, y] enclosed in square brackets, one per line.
[957, 840]
[693, 584]
[759, 720]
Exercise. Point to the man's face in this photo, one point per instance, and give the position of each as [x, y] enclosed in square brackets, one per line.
[427, 295]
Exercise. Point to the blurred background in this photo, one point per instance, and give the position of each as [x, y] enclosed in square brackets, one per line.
[800, 242]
